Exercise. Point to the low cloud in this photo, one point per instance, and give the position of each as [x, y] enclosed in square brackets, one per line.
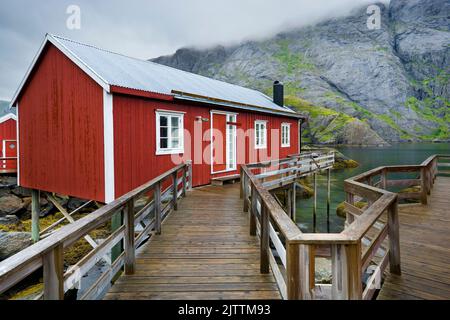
[146, 29]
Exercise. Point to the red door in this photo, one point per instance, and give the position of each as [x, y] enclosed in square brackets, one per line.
[218, 136]
[10, 151]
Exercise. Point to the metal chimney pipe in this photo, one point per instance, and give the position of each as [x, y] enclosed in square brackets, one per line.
[278, 93]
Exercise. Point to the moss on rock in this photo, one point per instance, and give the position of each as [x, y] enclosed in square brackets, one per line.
[340, 210]
[344, 164]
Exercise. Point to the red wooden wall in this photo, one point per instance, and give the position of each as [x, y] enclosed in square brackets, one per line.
[135, 141]
[61, 129]
[7, 132]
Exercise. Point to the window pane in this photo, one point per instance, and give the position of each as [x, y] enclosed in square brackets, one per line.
[175, 143]
[175, 122]
[163, 132]
[163, 143]
[175, 133]
[163, 121]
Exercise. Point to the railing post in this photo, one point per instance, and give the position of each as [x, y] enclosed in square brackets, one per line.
[264, 267]
[130, 261]
[294, 202]
[245, 192]
[53, 265]
[253, 211]
[384, 179]
[423, 186]
[191, 178]
[175, 190]
[157, 196]
[241, 189]
[184, 178]
[292, 271]
[429, 177]
[347, 273]
[394, 239]
[35, 211]
[350, 199]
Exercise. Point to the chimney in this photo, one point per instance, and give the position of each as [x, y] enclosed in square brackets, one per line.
[278, 93]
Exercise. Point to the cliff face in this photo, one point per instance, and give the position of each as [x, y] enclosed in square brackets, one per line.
[359, 86]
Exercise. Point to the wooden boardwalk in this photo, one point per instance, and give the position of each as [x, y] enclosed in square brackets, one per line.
[204, 252]
[424, 249]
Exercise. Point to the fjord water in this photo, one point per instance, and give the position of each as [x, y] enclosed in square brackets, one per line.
[368, 158]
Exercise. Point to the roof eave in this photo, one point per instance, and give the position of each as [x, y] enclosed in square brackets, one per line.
[50, 39]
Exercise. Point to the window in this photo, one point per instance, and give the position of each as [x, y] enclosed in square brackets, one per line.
[260, 134]
[169, 133]
[285, 134]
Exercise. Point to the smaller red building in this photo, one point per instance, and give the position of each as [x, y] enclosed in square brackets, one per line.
[95, 124]
[8, 142]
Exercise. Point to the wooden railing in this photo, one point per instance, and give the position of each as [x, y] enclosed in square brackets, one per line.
[161, 194]
[8, 164]
[361, 251]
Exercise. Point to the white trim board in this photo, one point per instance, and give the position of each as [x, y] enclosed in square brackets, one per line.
[108, 137]
[7, 117]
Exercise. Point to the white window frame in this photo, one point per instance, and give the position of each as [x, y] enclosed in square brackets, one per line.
[263, 134]
[170, 115]
[285, 142]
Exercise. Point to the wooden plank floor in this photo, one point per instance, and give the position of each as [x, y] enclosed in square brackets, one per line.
[424, 249]
[204, 252]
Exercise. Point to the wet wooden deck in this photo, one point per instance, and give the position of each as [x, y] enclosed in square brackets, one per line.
[204, 252]
[424, 249]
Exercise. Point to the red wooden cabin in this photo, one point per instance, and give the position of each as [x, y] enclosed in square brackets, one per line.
[94, 124]
[8, 143]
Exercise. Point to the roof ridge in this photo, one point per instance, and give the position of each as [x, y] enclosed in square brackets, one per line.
[154, 63]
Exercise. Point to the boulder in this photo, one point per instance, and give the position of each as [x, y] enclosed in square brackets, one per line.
[21, 192]
[8, 220]
[46, 207]
[13, 242]
[10, 204]
[8, 181]
[75, 203]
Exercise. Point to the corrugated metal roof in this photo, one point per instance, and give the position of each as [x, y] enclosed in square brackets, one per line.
[119, 70]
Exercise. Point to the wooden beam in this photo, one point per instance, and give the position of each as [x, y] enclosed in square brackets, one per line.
[175, 191]
[264, 263]
[35, 211]
[157, 196]
[394, 239]
[53, 263]
[129, 245]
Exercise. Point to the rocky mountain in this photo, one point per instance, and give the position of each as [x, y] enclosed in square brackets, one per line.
[358, 86]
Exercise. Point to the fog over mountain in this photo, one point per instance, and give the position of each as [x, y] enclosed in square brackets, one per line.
[359, 86]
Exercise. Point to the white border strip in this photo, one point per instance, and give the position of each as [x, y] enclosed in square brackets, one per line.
[18, 144]
[7, 117]
[108, 136]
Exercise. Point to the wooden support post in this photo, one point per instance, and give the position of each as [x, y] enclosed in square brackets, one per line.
[245, 192]
[53, 265]
[175, 191]
[349, 198]
[292, 271]
[294, 202]
[328, 194]
[241, 189]
[264, 267]
[423, 186]
[307, 272]
[35, 211]
[116, 223]
[184, 181]
[429, 178]
[191, 177]
[253, 212]
[130, 260]
[157, 196]
[394, 239]
[288, 198]
[315, 203]
[384, 179]
[347, 273]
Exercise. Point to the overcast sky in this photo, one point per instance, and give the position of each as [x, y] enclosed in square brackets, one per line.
[149, 28]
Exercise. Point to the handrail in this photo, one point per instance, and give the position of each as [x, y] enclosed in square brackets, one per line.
[354, 249]
[49, 251]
